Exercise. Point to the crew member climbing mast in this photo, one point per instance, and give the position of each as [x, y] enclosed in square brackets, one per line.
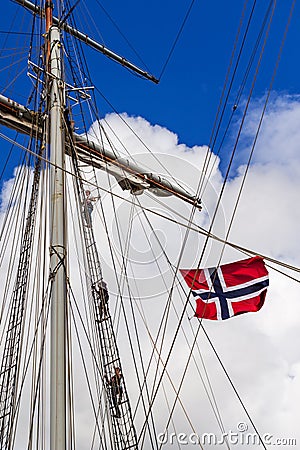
[63, 141]
[88, 208]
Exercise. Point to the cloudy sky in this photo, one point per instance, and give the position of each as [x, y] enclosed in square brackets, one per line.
[175, 119]
[260, 350]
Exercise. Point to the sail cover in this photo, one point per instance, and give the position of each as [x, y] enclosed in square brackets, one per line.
[228, 290]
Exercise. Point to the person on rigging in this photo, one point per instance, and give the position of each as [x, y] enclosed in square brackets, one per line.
[88, 208]
[101, 297]
[116, 390]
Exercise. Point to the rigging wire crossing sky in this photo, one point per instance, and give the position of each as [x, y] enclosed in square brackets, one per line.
[186, 99]
[176, 120]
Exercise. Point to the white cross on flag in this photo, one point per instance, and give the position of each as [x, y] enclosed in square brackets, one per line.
[228, 290]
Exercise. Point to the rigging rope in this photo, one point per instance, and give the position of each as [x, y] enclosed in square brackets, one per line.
[176, 39]
[258, 128]
[168, 374]
[122, 34]
[197, 228]
[238, 96]
[212, 402]
[125, 279]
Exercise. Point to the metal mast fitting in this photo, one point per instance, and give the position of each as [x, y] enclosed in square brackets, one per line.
[89, 41]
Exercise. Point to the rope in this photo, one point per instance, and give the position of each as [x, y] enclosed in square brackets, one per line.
[176, 39]
[122, 307]
[197, 228]
[239, 94]
[122, 34]
[259, 126]
[212, 402]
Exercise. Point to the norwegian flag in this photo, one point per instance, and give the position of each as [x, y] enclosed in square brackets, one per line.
[228, 290]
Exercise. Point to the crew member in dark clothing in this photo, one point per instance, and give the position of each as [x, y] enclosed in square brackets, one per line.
[116, 390]
[101, 296]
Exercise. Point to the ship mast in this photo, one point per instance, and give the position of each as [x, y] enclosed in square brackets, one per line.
[58, 235]
[62, 141]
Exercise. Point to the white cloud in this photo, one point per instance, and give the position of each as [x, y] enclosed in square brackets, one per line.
[260, 351]
[279, 136]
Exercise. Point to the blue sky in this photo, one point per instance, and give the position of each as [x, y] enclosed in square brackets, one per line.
[185, 102]
[187, 97]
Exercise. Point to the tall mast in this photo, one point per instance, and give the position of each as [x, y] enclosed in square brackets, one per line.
[118, 424]
[58, 236]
